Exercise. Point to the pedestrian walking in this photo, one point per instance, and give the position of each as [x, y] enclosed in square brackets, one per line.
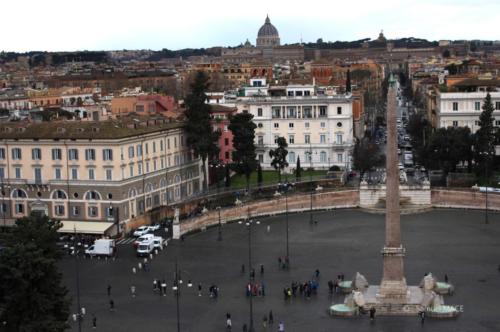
[446, 278]
[280, 262]
[132, 290]
[109, 290]
[264, 321]
[139, 265]
[252, 274]
[271, 317]
[245, 329]
[281, 327]
[134, 271]
[268, 228]
[316, 273]
[155, 284]
[111, 305]
[229, 324]
[261, 269]
[242, 268]
[422, 316]
[94, 322]
[372, 313]
[199, 289]
[330, 287]
[164, 287]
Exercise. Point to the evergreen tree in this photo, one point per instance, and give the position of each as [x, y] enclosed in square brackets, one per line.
[366, 155]
[259, 175]
[279, 156]
[484, 145]
[348, 82]
[31, 295]
[244, 157]
[298, 170]
[228, 177]
[200, 136]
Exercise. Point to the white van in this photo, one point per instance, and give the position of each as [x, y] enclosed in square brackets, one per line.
[101, 247]
[146, 247]
[159, 242]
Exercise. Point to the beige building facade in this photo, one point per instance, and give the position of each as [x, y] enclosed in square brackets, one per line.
[108, 172]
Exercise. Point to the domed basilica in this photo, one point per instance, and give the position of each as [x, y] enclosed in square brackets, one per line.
[268, 35]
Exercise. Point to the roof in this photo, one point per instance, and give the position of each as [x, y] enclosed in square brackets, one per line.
[84, 227]
[478, 82]
[268, 30]
[221, 108]
[111, 129]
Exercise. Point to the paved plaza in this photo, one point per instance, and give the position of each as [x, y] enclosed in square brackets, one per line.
[455, 242]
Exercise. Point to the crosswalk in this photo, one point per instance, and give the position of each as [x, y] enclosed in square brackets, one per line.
[127, 240]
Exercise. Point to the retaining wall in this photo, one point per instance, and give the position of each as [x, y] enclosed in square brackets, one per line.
[464, 199]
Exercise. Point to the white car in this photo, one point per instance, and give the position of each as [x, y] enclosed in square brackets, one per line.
[143, 238]
[142, 230]
[154, 227]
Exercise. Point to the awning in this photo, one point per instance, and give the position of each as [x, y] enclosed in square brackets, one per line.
[85, 227]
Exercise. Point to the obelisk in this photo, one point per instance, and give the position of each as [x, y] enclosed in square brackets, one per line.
[393, 288]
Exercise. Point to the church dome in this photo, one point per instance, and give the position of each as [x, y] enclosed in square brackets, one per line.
[268, 30]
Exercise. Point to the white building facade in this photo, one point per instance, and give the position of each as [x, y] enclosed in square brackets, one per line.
[462, 109]
[309, 122]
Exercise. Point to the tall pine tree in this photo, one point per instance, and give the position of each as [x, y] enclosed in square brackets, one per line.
[200, 135]
[31, 295]
[348, 82]
[244, 157]
[279, 156]
[484, 145]
[298, 170]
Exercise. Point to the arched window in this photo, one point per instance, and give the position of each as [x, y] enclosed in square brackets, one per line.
[92, 195]
[132, 193]
[291, 157]
[322, 156]
[177, 178]
[149, 187]
[59, 194]
[163, 183]
[19, 193]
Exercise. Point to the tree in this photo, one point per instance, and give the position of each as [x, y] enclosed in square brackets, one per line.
[200, 135]
[279, 156]
[31, 295]
[484, 144]
[259, 175]
[298, 170]
[348, 82]
[446, 53]
[366, 155]
[244, 157]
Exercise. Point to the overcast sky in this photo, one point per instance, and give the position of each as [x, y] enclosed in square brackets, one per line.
[68, 25]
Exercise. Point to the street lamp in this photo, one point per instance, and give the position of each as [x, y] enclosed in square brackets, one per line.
[486, 156]
[284, 187]
[219, 231]
[177, 290]
[80, 312]
[310, 183]
[251, 273]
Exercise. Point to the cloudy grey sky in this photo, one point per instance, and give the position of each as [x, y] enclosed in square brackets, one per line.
[66, 25]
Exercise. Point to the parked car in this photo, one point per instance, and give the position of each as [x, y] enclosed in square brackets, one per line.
[159, 243]
[154, 227]
[142, 230]
[145, 237]
[101, 247]
[146, 247]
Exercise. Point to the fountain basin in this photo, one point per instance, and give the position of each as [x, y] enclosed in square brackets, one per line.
[443, 288]
[342, 310]
[443, 311]
[345, 286]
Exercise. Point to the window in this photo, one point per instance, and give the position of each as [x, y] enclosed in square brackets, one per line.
[38, 175]
[73, 154]
[340, 157]
[455, 123]
[260, 140]
[147, 166]
[455, 106]
[291, 139]
[276, 125]
[2, 153]
[298, 93]
[154, 165]
[89, 154]
[139, 150]
[226, 128]
[19, 208]
[322, 156]
[323, 124]
[339, 139]
[307, 113]
[226, 154]
[292, 113]
[259, 112]
[291, 157]
[476, 123]
[139, 169]
[59, 210]
[92, 195]
[168, 143]
[477, 105]
[93, 211]
[161, 145]
[56, 154]
[322, 138]
[162, 163]
[36, 154]
[154, 147]
[339, 110]
[497, 123]
[131, 152]
[57, 173]
[16, 154]
[131, 170]
[2, 173]
[261, 158]
[339, 124]
[59, 194]
[290, 93]
[147, 148]
[260, 125]
[74, 173]
[3, 208]
[175, 142]
[307, 93]
[109, 174]
[276, 139]
[75, 210]
[306, 124]
[290, 125]
[497, 105]
[17, 171]
[91, 174]
[307, 139]
[226, 141]
[322, 111]
[275, 112]
[107, 154]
